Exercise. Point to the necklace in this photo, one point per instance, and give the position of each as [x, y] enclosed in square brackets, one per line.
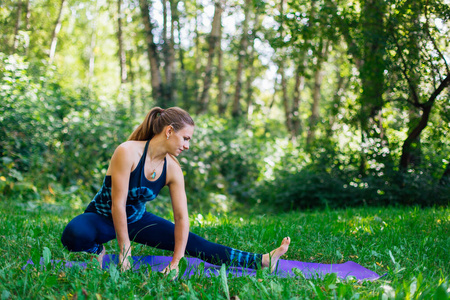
[154, 170]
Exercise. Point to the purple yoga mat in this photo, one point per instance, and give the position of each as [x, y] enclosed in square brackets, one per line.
[285, 268]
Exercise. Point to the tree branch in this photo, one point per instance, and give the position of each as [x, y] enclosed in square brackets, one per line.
[404, 69]
[427, 30]
[415, 133]
[436, 93]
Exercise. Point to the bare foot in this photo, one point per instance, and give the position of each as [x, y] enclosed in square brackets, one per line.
[271, 259]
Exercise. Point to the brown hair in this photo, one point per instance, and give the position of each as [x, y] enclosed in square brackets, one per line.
[158, 118]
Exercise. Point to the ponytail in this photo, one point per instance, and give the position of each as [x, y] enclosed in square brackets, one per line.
[157, 118]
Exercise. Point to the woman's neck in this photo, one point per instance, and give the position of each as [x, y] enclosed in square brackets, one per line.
[156, 149]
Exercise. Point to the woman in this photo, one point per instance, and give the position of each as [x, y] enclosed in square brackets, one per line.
[138, 170]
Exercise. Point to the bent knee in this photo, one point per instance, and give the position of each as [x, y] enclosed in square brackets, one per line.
[74, 239]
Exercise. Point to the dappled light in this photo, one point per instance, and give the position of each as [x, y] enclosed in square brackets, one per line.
[325, 121]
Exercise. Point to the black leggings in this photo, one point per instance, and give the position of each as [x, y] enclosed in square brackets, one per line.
[89, 231]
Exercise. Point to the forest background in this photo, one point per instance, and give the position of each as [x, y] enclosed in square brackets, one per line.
[297, 104]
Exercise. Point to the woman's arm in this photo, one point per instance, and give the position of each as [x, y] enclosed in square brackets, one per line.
[180, 212]
[121, 164]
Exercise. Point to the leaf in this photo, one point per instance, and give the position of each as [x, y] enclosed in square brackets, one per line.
[332, 286]
[114, 273]
[339, 254]
[47, 255]
[6, 294]
[388, 292]
[298, 273]
[223, 280]
[182, 266]
[441, 293]
[51, 281]
[318, 291]
[392, 257]
[413, 288]
[201, 269]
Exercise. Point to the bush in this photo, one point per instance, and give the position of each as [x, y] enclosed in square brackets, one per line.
[224, 164]
[318, 189]
[52, 139]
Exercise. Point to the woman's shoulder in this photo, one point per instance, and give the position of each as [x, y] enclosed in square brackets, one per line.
[130, 150]
[173, 166]
[128, 153]
[131, 146]
[172, 161]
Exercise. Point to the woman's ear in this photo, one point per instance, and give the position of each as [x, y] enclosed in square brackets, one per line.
[169, 131]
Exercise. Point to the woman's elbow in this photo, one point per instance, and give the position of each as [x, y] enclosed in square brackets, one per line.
[182, 220]
[117, 210]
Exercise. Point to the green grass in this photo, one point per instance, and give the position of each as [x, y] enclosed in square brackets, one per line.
[411, 245]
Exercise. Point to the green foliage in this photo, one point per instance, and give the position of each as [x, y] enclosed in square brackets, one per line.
[224, 163]
[309, 189]
[52, 139]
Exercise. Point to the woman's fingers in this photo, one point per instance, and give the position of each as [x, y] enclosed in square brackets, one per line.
[126, 265]
[124, 262]
[167, 270]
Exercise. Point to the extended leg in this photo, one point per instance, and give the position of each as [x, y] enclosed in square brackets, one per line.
[157, 232]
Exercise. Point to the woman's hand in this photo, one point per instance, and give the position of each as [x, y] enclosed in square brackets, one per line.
[169, 268]
[124, 261]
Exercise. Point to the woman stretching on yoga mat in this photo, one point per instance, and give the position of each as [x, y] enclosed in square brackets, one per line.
[138, 170]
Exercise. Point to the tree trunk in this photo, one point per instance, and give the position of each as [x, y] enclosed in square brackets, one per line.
[423, 122]
[143, 94]
[131, 90]
[91, 66]
[414, 83]
[168, 55]
[251, 60]
[414, 119]
[182, 66]
[372, 76]
[55, 33]
[27, 15]
[197, 57]
[152, 53]
[299, 86]
[165, 43]
[318, 77]
[370, 63]
[17, 27]
[285, 98]
[172, 80]
[122, 56]
[336, 103]
[272, 102]
[27, 24]
[213, 39]
[249, 87]
[237, 111]
[315, 105]
[445, 178]
[221, 105]
[282, 73]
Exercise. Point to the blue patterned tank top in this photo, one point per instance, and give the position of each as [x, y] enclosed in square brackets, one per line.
[140, 190]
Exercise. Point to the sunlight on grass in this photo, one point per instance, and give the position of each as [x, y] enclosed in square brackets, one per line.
[409, 245]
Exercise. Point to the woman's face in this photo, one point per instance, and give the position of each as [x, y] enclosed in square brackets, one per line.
[179, 140]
